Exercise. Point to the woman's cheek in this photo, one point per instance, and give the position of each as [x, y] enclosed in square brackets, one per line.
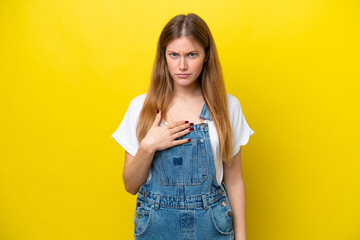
[199, 65]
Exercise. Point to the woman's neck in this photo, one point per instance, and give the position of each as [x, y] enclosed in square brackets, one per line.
[188, 92]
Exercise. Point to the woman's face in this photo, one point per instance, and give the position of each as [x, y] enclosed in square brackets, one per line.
[185, 58]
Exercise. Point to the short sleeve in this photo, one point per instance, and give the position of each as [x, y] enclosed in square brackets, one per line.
[241, 129]
[125, 134]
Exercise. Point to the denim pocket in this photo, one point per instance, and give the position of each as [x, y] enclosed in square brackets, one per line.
[221, 216]
[142, 217]
[184, 164]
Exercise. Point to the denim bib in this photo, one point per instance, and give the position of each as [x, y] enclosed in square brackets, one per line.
[183, 199]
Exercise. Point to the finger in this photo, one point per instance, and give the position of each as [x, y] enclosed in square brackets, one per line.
[178, 123]
[181, 133]
[157, 119]
[182, 141]
[180, 127]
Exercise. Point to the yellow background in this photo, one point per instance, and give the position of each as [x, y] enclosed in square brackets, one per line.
[69, 69]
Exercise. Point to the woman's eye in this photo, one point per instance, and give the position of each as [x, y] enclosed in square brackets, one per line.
[173, 54]
[192, 55]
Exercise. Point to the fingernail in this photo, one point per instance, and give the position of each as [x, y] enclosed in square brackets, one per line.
[157, 110]
[186, 121]
[191, 124]
[190, 129]
[189, 139]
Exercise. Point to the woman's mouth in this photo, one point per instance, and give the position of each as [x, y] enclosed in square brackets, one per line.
[182, 75]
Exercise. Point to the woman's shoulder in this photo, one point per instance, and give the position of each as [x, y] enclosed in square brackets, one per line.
[136, 104]
[137, 101]
[233, 102]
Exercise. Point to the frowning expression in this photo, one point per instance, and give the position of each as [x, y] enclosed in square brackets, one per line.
[185, 58]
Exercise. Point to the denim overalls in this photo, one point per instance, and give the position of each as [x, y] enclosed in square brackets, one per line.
[183, 199]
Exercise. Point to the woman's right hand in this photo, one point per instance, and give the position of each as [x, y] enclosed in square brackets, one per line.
[159, 138]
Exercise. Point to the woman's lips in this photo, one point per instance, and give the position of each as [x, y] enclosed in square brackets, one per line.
[181, 75]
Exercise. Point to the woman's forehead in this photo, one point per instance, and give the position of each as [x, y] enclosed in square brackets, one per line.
[183, 44]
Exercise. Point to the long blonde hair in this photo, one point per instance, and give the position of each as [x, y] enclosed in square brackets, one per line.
[160, 91]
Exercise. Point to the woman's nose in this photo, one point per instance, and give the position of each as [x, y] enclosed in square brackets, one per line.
[183, 64]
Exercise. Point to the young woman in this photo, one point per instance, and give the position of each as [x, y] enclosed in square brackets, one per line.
[182, 140]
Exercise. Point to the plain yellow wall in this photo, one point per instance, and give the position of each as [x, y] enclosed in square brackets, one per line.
[69, 69]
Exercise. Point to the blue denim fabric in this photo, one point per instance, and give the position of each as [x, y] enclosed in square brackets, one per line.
[183, 199]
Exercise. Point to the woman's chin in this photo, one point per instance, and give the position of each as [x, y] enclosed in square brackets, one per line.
[185, 82]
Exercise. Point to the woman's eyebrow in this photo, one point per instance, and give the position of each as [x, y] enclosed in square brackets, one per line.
[186, 52]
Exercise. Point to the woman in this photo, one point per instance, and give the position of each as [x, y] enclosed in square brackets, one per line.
[182, 140]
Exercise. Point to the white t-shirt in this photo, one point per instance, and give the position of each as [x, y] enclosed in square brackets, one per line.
[125, 134]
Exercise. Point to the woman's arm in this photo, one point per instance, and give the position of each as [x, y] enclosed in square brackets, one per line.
[236, 194]
[137, 168]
